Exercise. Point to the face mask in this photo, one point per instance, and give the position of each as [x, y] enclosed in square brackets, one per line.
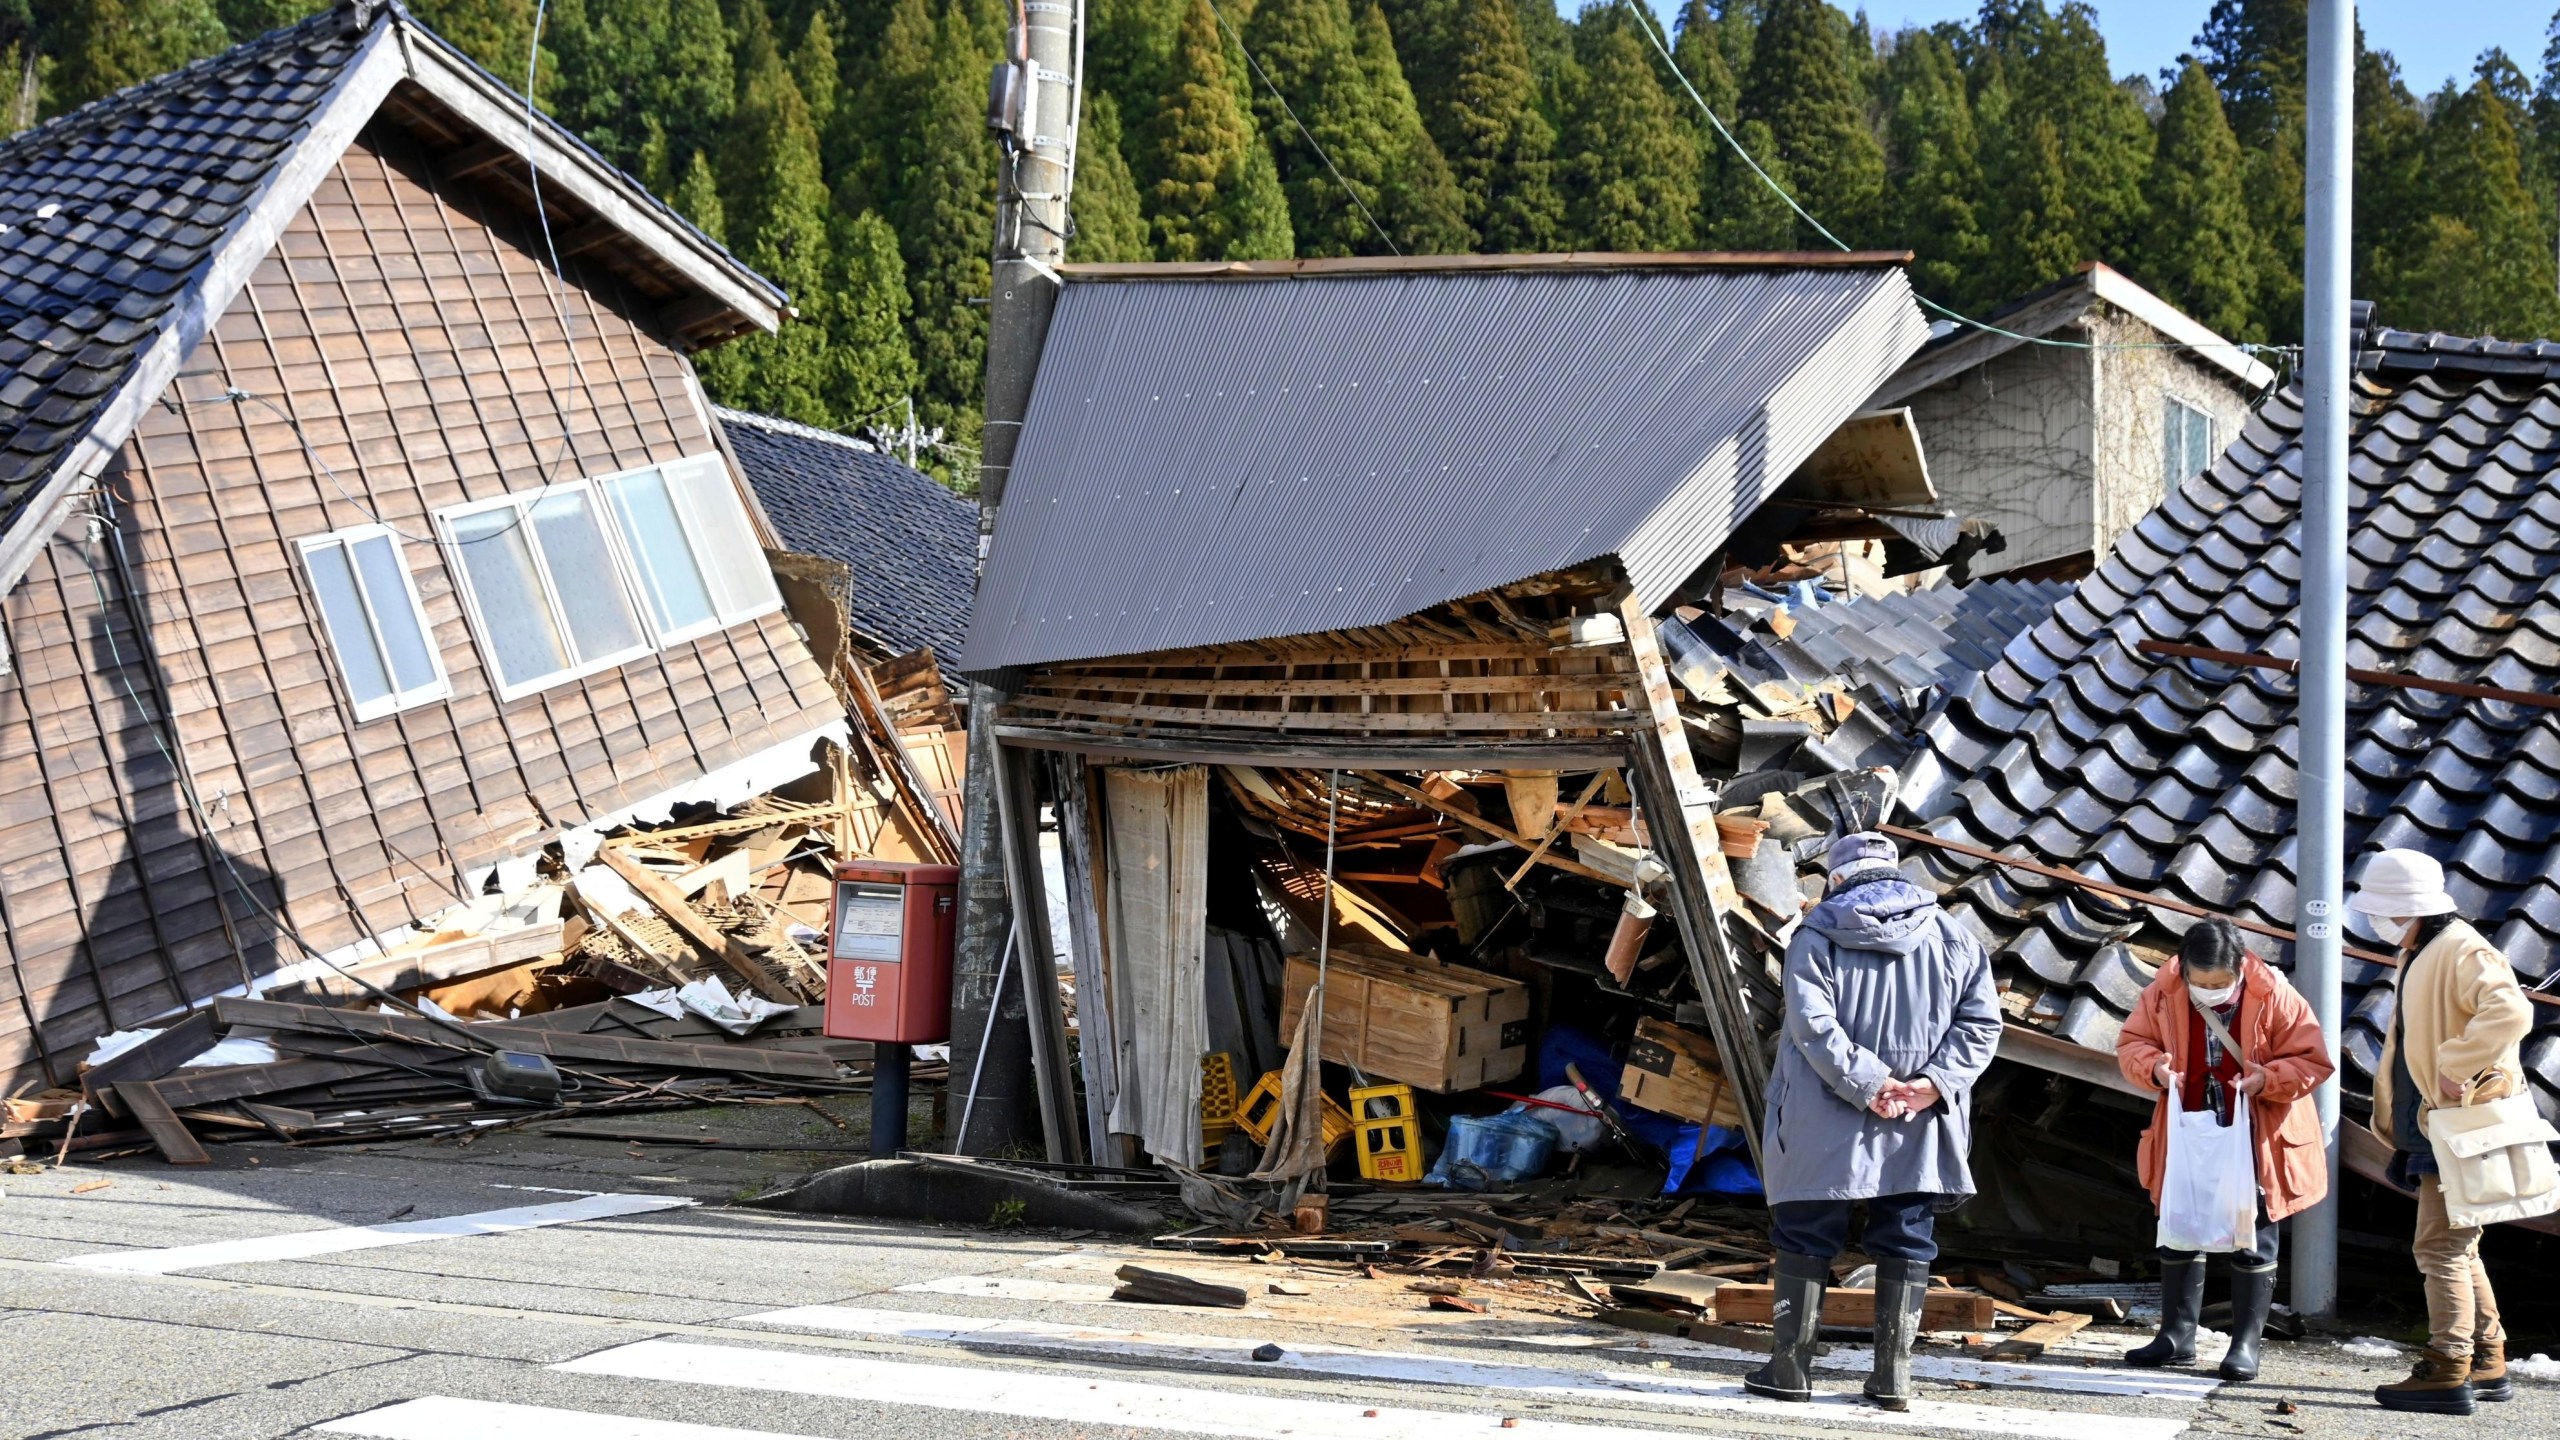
[2215, 997]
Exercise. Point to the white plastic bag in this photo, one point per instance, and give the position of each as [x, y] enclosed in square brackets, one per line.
[2209, 1193]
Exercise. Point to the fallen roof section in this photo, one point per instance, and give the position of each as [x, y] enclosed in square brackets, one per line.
[1206, 461]
[2176, 777]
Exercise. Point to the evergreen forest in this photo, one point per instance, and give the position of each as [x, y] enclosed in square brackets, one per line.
[841, 147]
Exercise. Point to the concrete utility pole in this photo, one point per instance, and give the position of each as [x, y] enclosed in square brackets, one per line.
[1034, 105]
[2320, 823]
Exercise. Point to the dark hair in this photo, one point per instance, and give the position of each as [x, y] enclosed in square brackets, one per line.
[2213, 945]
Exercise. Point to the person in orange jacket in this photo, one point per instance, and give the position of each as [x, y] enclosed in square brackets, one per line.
[2167, 1047]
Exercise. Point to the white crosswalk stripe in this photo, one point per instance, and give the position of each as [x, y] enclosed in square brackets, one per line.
[1071, 1398]
[339, 1239]
[441, 1417]
[1671, 1390]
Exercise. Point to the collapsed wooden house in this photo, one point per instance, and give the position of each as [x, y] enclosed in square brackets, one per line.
[1380, 544]
[363, 531]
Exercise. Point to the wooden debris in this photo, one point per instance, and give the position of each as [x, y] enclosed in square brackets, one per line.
[671, 904]
[1143, 1286]
[178, 1145]
[2030, 1343]
[1841, 1305]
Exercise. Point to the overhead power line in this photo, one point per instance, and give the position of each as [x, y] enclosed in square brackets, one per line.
[1318, 146]
[1647, 22]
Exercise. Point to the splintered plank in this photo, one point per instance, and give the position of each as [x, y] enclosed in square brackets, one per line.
[175, 1046]
[669, 902]
[238, 1082]
[734, 1059]
[1942, 1310]
[178, 1145]
[2030, 1343]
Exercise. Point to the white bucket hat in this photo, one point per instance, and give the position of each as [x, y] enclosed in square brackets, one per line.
[2401, 884]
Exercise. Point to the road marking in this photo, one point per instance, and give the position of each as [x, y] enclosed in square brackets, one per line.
[304, 1244]
[1069, 1399]
[2061, 1378]
[441, 1417]
[1689, 1391]
[1048, 1292]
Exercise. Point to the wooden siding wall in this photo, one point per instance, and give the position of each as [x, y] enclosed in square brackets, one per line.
[412, 334]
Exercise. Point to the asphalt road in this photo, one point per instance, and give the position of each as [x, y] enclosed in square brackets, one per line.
[654, 1317]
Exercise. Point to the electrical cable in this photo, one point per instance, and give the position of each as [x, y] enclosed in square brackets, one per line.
[1233, 34]
[1646, 22]
[105, 516]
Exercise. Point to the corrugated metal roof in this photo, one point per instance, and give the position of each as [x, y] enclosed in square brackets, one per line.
[1214, 458]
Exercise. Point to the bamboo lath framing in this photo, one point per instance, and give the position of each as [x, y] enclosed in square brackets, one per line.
[1485, 668]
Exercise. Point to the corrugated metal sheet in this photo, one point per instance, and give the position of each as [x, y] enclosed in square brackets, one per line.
[1209, 460]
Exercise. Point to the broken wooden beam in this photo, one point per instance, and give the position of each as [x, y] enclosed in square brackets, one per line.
[2030, 1343]
[178, 1144]
[190, 1036]
[744, 1058]
[1841, 1305]
[663, 897]
[1479, 823]
[1143, 1286]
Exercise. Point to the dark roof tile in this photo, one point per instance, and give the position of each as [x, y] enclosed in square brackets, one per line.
[88, 295]
[912, 544]
[2189, 788]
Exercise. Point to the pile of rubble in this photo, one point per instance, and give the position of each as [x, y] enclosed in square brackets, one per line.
[675, 965]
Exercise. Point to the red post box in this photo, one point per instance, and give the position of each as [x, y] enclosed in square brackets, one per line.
[889, 951]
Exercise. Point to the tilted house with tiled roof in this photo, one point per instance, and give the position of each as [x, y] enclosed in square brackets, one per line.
[362, 525]
[2177, 777]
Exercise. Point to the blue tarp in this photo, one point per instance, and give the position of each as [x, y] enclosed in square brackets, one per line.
[1705, 1159]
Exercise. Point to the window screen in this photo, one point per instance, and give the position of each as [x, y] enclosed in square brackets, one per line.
[687, 534]
[546, 592]
[2188, 439]
[376, 629]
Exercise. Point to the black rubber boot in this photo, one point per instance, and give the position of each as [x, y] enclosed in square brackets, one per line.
[1798, 1281]
[2252, 1291]
[1902, 1288]
[2181, 1301]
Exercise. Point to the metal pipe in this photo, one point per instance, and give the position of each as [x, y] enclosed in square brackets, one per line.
[2392, 678]
[889, 1066]
[2328, 180]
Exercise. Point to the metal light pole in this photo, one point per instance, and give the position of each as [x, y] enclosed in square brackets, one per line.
[2320, 827]
[1033, 107]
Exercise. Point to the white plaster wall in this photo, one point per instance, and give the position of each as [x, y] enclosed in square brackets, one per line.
[2013, 442]
[2134, 384]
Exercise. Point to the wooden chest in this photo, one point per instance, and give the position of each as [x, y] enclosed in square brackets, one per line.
[1674, 1072]
[1405, 1017]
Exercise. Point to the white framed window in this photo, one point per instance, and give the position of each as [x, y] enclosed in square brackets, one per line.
[376, 628]
[543, 586]
[695, 556]
[2187, 432]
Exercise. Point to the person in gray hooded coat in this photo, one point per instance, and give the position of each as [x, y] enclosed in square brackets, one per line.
[1891, 1017]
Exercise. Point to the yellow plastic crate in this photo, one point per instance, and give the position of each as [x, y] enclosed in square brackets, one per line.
[1389, 1145]
[1217, 1099]
[1260, 1110]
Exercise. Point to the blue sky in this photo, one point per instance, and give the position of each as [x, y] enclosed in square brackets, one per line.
[2433, 39]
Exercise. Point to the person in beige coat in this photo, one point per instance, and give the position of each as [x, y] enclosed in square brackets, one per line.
[2454, 1037]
